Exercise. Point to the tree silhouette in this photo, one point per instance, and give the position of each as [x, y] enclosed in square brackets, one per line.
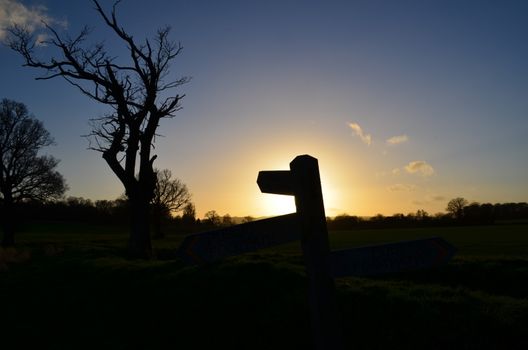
[170, 195]
[456, 207]
[227, 220]
[23, 173]
[212, 218]
[189, 214]
[247, 219]
[125, 135]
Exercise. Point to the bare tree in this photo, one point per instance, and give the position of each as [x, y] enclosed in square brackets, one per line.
[170, 196]
[456, 207]
[23, 173]
[126, 135]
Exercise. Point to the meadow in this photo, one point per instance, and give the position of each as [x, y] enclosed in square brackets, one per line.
[70, 286]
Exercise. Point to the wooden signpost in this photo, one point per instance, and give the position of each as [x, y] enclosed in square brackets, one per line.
[214, 245]
[308, 224]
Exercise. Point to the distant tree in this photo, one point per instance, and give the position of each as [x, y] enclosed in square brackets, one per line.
[104, 206]
[79, 202]
[510, 211]
[456, 207]
[170, 196]
[79, 209]
[212, 218]
[247, 219]
[379, 218]
[24, 174]
[343, 222]
[227, 220]
[189, 214]
[421, 215]
[479, 213]
[135, 92]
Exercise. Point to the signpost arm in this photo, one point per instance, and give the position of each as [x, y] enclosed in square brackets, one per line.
[314, 240]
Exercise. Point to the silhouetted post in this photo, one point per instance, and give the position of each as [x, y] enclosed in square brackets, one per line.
[316, 250]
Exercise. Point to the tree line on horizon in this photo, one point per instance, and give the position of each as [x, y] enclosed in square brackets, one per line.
[468, 214]
[116, 212]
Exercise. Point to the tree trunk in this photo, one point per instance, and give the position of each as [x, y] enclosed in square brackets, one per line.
[8, 223]
[139, 245]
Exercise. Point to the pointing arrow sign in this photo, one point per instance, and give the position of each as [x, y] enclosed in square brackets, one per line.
[277, 182]
[392, 257]
[210, 246]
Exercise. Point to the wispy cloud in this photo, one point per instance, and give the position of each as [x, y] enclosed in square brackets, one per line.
[13, 12]
[430, 199]
[396, 140]
[401, 188]
[419, 167]
[366, 138]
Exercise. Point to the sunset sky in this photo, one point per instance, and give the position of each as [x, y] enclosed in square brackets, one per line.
[406, 104]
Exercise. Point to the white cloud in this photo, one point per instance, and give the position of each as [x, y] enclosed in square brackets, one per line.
[395, 171]
[429, 199]
[30, 17]
[366, 138]
[401, 188]
[396, 140]
[419, 167]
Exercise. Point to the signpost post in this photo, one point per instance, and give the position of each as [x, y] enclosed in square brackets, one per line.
[308, 224]
[316, 250]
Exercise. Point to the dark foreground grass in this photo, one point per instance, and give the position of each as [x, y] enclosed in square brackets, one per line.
[78, 291]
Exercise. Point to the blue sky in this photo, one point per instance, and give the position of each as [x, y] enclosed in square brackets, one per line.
[445, 81]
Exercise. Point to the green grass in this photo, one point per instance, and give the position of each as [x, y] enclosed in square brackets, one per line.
[71, 287]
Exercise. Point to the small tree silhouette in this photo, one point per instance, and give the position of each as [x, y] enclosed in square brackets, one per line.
[227, 220]
[212, 218]
[456, 207]
[189, 214]
[170, 195]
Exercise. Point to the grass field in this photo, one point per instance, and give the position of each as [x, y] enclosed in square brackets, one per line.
[71, 287]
